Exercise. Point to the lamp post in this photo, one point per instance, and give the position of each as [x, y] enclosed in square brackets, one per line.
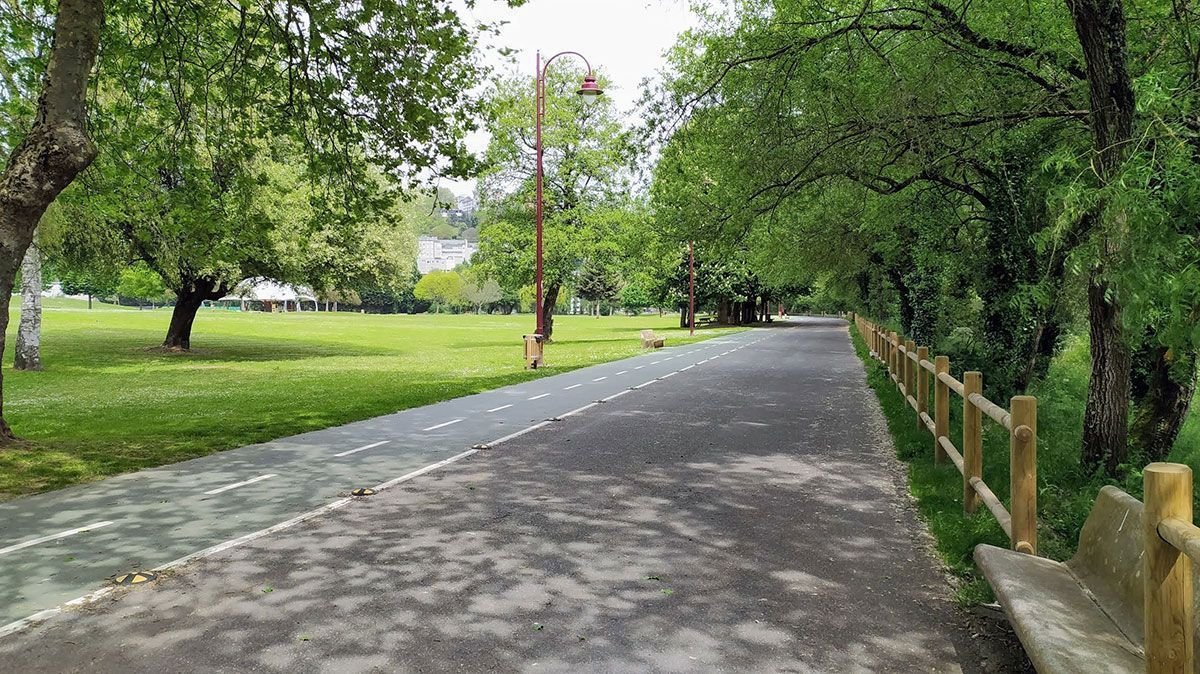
[691, 287]
[590, 91]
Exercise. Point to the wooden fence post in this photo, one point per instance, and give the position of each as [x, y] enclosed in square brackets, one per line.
[909, 347]
[1023, 473]
[922, 386]
[972, 440]
[1167, 571]
[941, 408]
[894, 351]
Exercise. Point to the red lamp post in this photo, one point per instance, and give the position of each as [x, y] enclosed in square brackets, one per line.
[590, 91]
[691, 287]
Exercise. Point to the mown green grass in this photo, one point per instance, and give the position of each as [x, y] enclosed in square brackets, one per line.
[1065, 492]
[110, 402]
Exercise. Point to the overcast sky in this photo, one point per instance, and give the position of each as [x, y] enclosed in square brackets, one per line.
[627, 38]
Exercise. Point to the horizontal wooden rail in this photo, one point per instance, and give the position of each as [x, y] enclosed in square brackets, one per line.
[952, 452]
[929, 422]
[996, 412]
[1185, 536]
[929, 366]
[954, 384]
[993, 504]
[912, 402]
[912, 355]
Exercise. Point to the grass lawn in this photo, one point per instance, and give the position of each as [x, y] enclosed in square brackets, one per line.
[1065, 492]
[109, 402]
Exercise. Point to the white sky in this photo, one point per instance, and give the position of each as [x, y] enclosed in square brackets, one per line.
[625, 38]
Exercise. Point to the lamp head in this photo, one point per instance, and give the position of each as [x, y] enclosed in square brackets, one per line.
[589, 90]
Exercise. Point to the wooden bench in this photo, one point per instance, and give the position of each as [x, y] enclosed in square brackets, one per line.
[652, 341]
[1085, 615]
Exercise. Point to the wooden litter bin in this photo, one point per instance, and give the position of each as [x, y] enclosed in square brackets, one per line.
[533, 351]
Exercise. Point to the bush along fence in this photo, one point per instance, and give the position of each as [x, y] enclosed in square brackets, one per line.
[1125, 602]
[913, 372]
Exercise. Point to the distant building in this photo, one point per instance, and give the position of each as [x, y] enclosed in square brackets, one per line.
[444, 254]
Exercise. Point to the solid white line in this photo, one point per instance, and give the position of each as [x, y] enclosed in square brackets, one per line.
[519, 433]
[577, 410]
[620, 373]
[497, 409]
[448, 423]
[235, 485]
[669, 374]
[221, 547]
[539, 397]
[363, 448]
[618, 394]
[600, 378]
[685, 369]
[53, 537]
[427, 469]
[572, 386]
[645, 383]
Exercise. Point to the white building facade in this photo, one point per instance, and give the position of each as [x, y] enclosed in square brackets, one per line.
[444, 254]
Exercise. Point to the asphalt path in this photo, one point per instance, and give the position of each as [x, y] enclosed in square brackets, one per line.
[745, 514]
[59, 546]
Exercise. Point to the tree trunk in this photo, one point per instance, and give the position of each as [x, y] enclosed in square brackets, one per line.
[1105, 418]
[1100, 26]
[1163, 392]
[548, 302]
[29, 331]
[56, 149]
[189, 300]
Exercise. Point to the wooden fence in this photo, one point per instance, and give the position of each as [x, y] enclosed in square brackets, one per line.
[913, 372]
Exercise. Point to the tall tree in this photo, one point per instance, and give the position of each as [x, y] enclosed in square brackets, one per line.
[54, 150]
[587, 156]
[28, 352]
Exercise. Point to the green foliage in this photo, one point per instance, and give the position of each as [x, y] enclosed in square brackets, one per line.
[141, 283]
[589, 214]
[596, 283]
[480, 292]
[440, 288]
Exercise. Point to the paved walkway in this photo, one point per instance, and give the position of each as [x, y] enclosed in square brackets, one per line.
[742, 515]
[58, 546]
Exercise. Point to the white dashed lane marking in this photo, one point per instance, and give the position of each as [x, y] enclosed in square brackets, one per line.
[235, 485]
[539, 397]
[53, 537]
[497, 409]
[572, 386]
[442, 425]
[364, 448]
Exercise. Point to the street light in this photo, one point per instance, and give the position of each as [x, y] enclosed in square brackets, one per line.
[591, 92]
[692, 288]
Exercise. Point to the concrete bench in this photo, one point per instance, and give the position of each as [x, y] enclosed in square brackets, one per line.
[652, 341]
[1085, 615]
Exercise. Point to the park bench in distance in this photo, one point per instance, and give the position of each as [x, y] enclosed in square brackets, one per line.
[652, 341]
